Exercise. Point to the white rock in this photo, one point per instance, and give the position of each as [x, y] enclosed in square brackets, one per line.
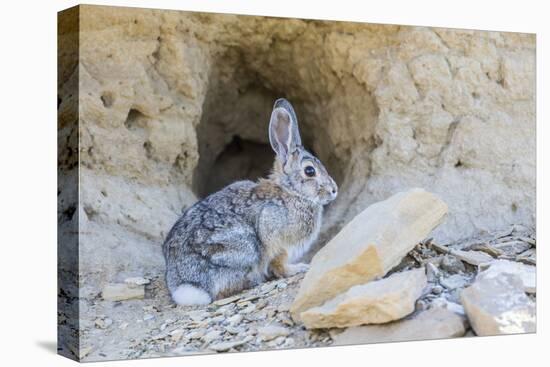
[271, 332]
[473, 257]
[136, 281]
[225, 346]
[434, 323]
[225, 301]
[498, 305]
[369, 246]
[235, 319]
[375, 302]
[527, 273]
[122, 291]
[455, 281]
[211, 336]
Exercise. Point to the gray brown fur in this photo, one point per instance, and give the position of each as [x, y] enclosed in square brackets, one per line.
[249, 231]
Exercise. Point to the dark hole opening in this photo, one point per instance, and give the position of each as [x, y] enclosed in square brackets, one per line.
[240, 160]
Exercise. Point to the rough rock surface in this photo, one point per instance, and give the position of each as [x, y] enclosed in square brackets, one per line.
[498, 305]
[435, 323]
[527, 273]
[376, 302]
[369, 246]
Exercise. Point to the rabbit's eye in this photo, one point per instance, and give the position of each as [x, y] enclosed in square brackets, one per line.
[309, 171]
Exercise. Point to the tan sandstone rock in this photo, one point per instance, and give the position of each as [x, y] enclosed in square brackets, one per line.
[369, 246]
[435, 323]
[498, 305]
[375, 302]
[122, 291]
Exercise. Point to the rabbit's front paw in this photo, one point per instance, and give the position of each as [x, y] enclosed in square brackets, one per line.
[293, 269]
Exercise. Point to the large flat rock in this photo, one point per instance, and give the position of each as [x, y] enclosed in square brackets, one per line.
[498, 305]
[376, 302]
[435, 323]
[369, 246]
[527, 273]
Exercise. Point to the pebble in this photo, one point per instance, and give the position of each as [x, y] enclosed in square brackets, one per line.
[282, 285]
[233, 330]
[235, 319]
[225, 301]
[148, 317]
[249, 309]
[137, 281]
[437, 289]
[432, 272]
[176, 335]
[271, 332]
[196, 334]
[103, 323]
[276, 342]
[211, 336]
[225, 346]
[217, 319]
[455, 281]
[267, 287]
[452, 265]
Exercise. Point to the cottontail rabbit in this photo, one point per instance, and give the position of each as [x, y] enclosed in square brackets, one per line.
[248, 231]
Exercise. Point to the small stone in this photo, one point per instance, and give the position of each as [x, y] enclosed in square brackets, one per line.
[103, 323]
[282, 285]
[527, 273]
[271, 332]
[512, 247]
[498, 305]
[84, 351]
[475, 258]
[289, 342]
[267, 287]
[375, 241]
[217, 319]
[123, 326]
[159, 336]
[283, 307]
[455, 281]
[437, 289]
[176, 335]
[225, 346]
[235, 319]
[122, 291]
[232, 330]
[276, 342]
[449, 305]
[249, 309]
[136, 281]
[225, 301]
[432, 272]
[148, 317]
[376, 302]
[261, 304]
[196, 334]
[211, 336]
[435, 323]
[451, 264]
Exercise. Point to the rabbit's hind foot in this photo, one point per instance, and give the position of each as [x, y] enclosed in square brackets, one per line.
[189, 295]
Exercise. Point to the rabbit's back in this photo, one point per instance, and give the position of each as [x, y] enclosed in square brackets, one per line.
[214, 243]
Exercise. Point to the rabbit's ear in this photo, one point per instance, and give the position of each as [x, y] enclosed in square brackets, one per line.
[283, 129]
